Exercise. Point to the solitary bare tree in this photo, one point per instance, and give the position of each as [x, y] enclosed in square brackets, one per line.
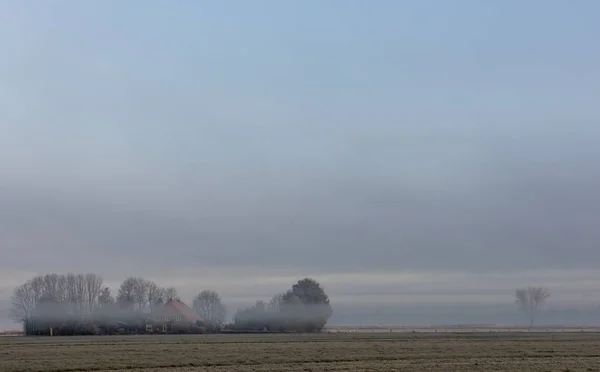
[530, 299]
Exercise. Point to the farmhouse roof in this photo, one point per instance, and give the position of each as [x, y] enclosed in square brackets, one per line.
[174, 308]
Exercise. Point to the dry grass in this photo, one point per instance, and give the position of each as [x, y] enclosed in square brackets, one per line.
[325, 352]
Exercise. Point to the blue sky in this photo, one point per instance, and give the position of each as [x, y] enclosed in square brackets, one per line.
[289, 137]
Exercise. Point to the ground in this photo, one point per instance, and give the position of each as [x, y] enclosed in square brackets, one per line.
[378, 351]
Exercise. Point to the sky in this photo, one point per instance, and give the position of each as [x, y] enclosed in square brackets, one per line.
[427, 154]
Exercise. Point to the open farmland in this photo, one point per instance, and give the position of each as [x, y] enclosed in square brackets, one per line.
[318, 352]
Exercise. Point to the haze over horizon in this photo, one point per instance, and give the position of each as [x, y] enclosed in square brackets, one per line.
[430, 155]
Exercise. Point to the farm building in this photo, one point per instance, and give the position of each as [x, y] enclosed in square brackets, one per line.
[172, 317]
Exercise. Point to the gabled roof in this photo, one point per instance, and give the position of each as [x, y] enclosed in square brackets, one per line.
[176, 308]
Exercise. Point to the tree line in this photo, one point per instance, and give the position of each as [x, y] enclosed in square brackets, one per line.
[305, 307]
[82, 304]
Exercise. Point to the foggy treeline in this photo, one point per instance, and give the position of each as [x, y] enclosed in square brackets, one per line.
[82, 304]
[305, 307]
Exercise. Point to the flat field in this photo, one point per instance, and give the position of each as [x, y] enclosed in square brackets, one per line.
[319, 352]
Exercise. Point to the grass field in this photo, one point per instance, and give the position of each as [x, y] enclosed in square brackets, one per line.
[319, 352]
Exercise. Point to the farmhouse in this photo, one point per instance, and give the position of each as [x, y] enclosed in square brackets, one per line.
[173, 316]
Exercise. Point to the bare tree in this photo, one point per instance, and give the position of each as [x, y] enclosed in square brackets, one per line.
[275, 302]
[140, 292]
[71, 292]
[171, 294]
[209, 307]
[52, 288]
[81, 295]
[38, 287]
[530, 299]
[93, 288]
[105, 300]
[23, 303]
[155, 295]
[125, 296]
[61, 288]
